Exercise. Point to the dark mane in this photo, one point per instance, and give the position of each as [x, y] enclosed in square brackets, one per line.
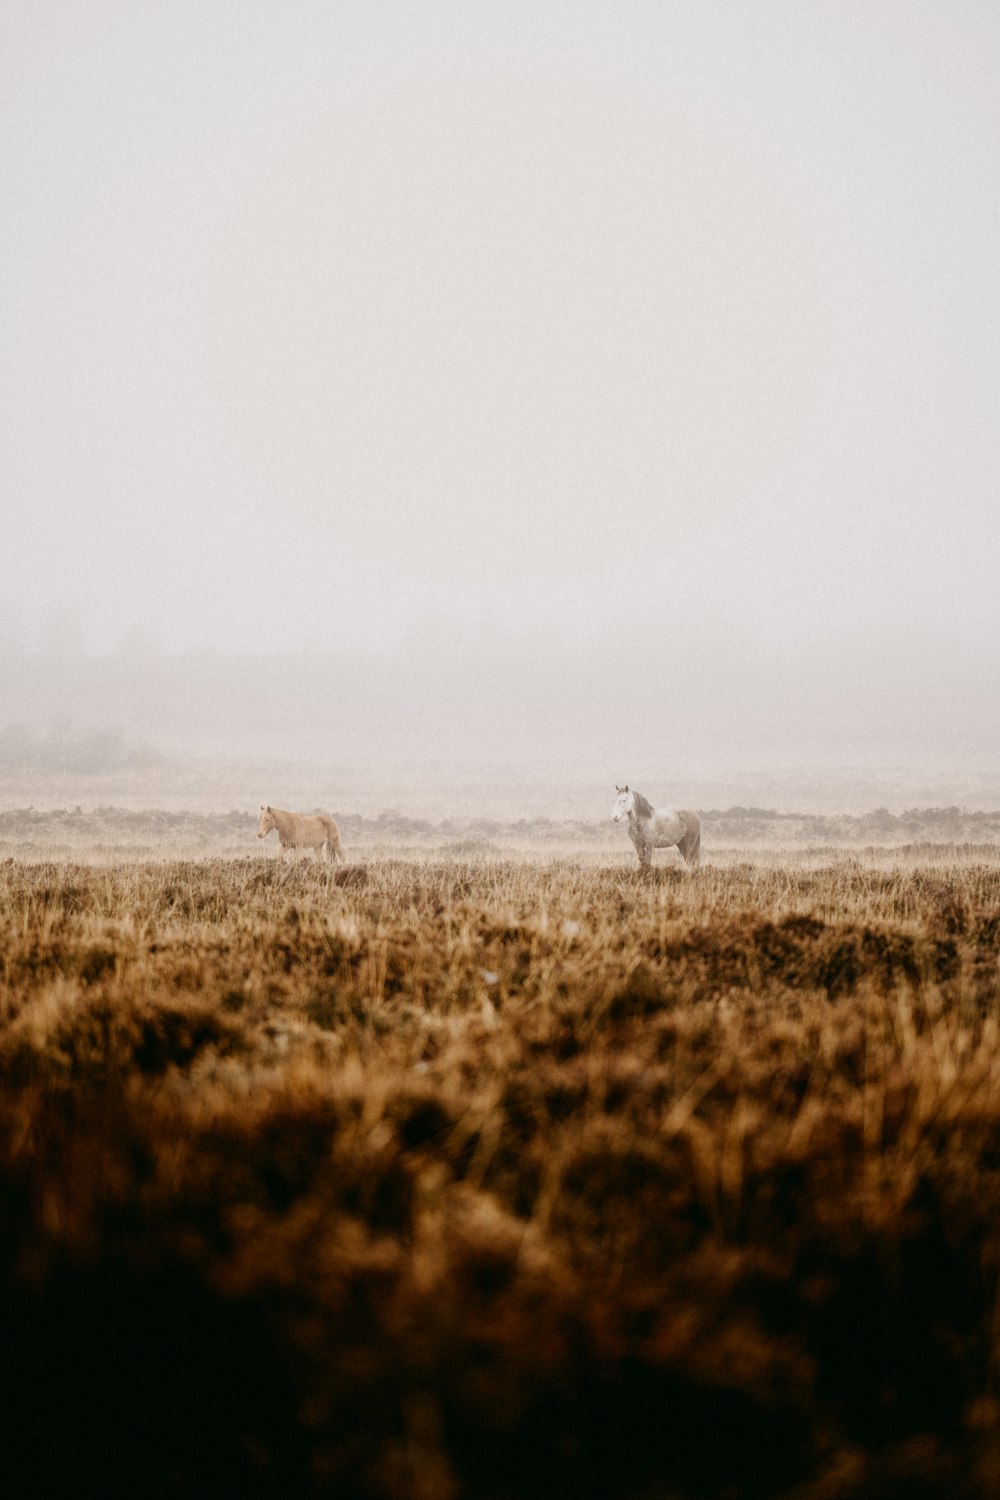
[643, 806]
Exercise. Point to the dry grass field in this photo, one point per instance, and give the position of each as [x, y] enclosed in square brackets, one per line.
[436, 1177]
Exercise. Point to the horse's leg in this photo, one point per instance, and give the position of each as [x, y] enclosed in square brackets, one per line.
[644, 849]
[690, 847]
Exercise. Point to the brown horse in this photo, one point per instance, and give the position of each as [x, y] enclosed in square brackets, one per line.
[301, 831]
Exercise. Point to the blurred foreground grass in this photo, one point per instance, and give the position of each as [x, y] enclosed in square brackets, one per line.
[498, 1179]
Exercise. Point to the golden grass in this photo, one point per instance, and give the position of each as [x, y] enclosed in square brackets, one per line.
[499, 1179]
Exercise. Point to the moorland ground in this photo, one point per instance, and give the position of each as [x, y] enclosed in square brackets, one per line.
[451, 1177]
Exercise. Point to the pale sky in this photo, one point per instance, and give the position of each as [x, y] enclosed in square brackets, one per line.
[656, 326]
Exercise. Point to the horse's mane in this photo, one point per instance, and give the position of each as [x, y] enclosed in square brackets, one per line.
[643, 806]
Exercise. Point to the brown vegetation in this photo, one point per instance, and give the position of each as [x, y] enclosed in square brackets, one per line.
[433, 1180]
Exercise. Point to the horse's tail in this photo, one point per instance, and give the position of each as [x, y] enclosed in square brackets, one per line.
[333, 844]
[690, 844]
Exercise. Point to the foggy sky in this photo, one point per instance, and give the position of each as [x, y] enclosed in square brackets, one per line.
[667, 334]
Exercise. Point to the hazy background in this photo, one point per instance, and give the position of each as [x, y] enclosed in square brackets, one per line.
[578, 391]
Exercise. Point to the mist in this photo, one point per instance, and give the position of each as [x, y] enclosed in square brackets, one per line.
[596, 391]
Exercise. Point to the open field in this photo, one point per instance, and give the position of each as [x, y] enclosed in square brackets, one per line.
[108, 834]
[466, 1175]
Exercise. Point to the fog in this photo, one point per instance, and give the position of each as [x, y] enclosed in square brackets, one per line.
[607, 389]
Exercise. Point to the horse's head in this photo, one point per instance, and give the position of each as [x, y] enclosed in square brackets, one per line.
[265, 822]
[624, 804]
